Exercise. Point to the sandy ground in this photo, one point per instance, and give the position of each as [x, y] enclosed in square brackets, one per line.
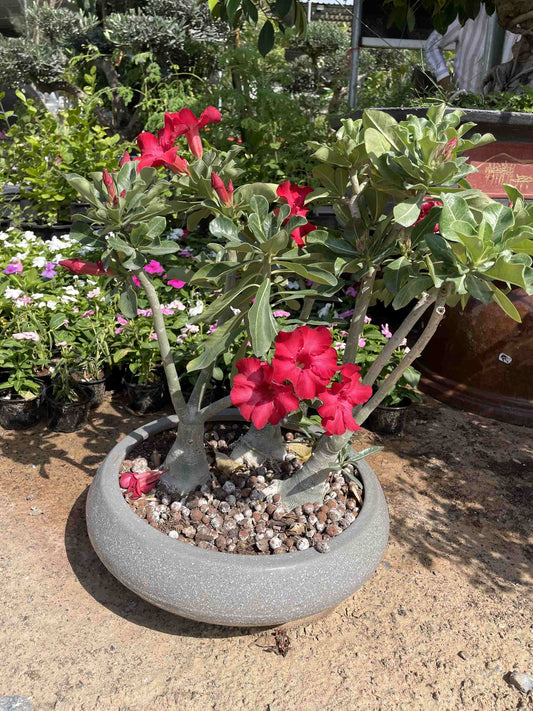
[447, 614]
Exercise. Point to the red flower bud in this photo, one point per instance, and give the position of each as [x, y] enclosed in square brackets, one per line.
[218, 186]
[125, 159]
[110, 185]
[78, 266]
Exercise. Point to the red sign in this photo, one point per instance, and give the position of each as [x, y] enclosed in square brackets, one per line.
[500, 163]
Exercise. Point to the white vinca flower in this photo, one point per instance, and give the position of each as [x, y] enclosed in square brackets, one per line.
[323, 312]
[39, 262]
[175, 234]
[196, 310]
[12, 293]
[71, 290]
[294, 285]
[51, 304]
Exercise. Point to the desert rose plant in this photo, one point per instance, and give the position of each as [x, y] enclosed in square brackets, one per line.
[439, 244]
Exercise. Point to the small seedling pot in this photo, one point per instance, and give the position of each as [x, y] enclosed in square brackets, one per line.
[68, 416]
[388, 420]
[19, 414]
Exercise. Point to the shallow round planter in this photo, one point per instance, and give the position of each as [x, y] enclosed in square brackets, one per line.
[222, 588]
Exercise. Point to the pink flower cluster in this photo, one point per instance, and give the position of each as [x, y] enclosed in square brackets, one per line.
[302, 368]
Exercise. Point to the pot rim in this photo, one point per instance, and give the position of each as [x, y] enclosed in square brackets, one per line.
[84, 391]
[110, 469]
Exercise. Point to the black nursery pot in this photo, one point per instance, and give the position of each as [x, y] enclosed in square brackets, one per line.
[68, 416]
[20, 414]
[146, 398]
[96, 388]
[388, 420]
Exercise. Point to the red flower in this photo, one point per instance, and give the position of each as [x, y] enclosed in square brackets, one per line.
[185, 123]
[226, 196]
[295, 196]
[427, 204]
[154, 154]
[305, 358]
[339, 401]
[300, 232]
[125, 159]
[139, 484]
[78, 266]
[258, 398]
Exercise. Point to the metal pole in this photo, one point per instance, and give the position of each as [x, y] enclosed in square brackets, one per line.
[309, 7]
[354, 63]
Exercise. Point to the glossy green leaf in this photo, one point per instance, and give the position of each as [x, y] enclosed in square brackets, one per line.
[262, 324]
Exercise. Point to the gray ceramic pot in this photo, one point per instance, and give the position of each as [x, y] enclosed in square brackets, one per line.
[222, 588]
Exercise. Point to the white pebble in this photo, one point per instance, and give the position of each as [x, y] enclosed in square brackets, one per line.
[269, 533]
[302, 544]
[248, 513]
[261, 479]
[173, 534]
[238, 516]
[175, 506]
[349, 517]
[185, 510]
[275, 543]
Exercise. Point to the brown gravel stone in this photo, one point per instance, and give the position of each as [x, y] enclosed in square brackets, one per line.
[270, 508]
[196, 515]
[331, 504]
[205, 533]
[189, 531]
[276, 498]
[333, 530]
[322, 516]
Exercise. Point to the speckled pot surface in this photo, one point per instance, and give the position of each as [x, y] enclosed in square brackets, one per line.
[223, 588]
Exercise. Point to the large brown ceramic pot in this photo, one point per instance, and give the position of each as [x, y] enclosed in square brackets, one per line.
[481, 360]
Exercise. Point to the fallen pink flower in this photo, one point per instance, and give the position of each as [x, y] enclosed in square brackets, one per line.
[139, 484]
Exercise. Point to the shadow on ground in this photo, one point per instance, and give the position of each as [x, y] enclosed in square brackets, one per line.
[108, 591]
[462, 493]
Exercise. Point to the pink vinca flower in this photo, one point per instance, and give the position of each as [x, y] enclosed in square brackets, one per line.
[176, 283]
[306, 359]
[258, 397]
[153, 267]
[26, 336]
[15, 267]
[385, 331]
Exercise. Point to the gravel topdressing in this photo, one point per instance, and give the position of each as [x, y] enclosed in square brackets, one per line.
[232, 514]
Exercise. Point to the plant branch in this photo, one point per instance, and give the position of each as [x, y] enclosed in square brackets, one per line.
[178, 401]
[307, 307]
[432, 325]
[197, 395]
[402, 332]
[215, 407]
[358, 318]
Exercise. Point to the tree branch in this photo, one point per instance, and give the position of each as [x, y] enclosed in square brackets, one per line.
[432, 325]
[178, 401]
[402, 332]
[215, 407]
[358, 318]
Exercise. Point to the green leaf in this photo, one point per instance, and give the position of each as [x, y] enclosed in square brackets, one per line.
[411, 290]
[321, 276]
[128, 302]
[440, 249]
[246, 192]
[167, 246]
[263, 326]
[406, 213]
[384, 123]
[118, 244]
[395, 274]
[376, 144]
[478, 288]
[223, 228]
[514, 270]
[216, 343]
[265, 41]
[505, 304]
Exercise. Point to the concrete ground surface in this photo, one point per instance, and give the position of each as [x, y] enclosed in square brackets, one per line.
[444, 619]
